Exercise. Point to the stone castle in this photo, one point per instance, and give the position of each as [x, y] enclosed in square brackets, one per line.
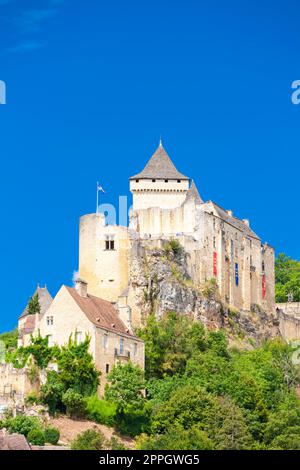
[168, 206]
[126, 273]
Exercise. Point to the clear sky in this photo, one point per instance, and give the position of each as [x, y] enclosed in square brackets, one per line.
[91, 85]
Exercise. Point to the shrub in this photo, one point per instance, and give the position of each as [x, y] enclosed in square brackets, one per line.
[52, 435]
[74, 402]
[173, 248]
[210, 289]
[88, 440]
[36, 436]
[101, 411]
[115, 444]
[22, 424]
[31, 399]
[133, 421]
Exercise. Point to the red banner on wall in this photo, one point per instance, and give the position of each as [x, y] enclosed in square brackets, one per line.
[264, 286]
[215, 269]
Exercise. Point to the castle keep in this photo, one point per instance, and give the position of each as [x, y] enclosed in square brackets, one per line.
[166, 206]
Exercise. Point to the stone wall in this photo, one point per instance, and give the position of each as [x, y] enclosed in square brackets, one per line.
[289, 315]
[15, 383]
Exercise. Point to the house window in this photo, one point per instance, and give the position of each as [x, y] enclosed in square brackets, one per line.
[109, 242]
[106, 368]
[78, 337]
[50, 341]
[135, 349]
[121, 345]
[105, 341]
[49, 320]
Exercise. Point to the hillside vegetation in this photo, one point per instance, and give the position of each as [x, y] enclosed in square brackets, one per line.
[287, 276]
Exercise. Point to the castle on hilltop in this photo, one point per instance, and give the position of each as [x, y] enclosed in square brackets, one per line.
[167, 205]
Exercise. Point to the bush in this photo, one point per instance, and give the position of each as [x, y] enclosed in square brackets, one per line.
[36, 436]
[89, 440]
[52, 435]
[74, 402]
[133, 421]
[173, 248]
[22, 424]
[115, 444]
[101, 411]
[31, 399]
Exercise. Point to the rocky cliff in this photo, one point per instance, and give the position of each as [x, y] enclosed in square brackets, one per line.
[159, 282]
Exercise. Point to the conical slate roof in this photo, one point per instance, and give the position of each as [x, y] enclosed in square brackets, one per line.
[45, 300]
[160, 166]
[193, 193]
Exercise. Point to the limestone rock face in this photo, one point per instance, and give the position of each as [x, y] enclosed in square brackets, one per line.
[159, 283]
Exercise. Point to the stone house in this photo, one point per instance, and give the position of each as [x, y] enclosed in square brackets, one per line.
[75, 312]
[28, 323]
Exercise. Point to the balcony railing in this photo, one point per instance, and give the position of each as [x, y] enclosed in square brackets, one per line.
[119, 353]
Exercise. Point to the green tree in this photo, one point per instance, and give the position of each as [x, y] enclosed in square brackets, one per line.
[126, 385]
[76, 367]
[227, 428]
[287, 277]
[34, 305]
[176, 438]
[169, 343]
[91, 439]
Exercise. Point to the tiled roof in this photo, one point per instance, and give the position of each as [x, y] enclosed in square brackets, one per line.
[13, 442]
[193, 193]
[99, 311]
[45, 300]
[29, 325]
[238, 223]
[160, 166]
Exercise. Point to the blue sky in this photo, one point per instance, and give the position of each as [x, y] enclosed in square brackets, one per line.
[91, 86]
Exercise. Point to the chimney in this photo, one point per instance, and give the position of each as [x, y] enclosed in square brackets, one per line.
[230, 213]
[246, 222]
[81, 287]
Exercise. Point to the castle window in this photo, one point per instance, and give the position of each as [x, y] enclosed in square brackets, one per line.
[109, 242]
[166, 181]
[106, 368]
[78, 337]
[121, 345]
[214, 242]
[105, 340]
[49, 320]
[178, 181]
[153, 181]
[137, 181]
[263, 266]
